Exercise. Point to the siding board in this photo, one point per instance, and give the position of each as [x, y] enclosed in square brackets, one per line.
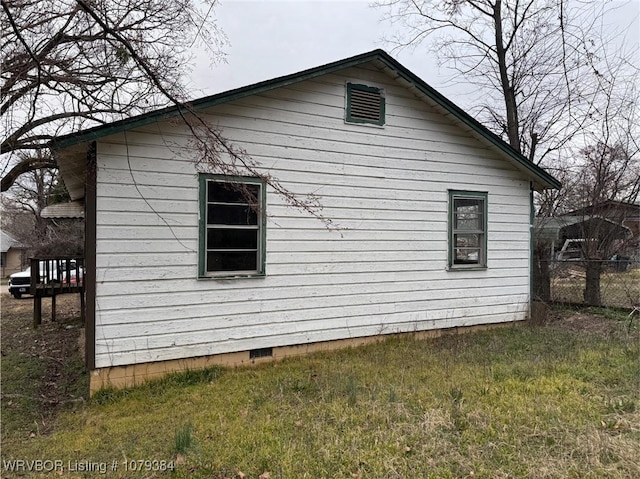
[382, 271]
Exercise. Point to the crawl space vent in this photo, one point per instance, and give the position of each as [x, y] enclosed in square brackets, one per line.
[260, 353]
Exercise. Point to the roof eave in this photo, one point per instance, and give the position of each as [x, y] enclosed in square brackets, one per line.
[542, 179]
[545, 180]
[209, 101]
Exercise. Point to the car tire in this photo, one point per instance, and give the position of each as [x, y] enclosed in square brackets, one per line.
[17, 295]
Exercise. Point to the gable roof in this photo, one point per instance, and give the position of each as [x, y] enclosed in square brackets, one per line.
[540, 176]
[6, 242]
[71, 209]
[611, 207]
[549, 227]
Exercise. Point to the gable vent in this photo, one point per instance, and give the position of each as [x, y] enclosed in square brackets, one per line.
[365, 104]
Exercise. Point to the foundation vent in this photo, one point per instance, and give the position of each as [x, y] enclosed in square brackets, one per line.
[261, 353]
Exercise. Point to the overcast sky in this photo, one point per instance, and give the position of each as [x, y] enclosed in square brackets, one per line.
[270, 38]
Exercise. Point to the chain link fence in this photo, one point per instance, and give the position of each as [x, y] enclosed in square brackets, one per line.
[619, 283]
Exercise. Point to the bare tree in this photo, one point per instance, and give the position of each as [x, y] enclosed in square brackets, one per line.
[62, 71]
[605, 189]
[607, 180]
[22, 215]
[550, 85]
[536, 62]
[107, 59]
[606, 173]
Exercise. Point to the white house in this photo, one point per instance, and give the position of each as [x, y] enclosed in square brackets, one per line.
[433, 216]
[12, 255]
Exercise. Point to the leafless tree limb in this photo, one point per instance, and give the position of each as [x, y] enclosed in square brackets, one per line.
[539, 63]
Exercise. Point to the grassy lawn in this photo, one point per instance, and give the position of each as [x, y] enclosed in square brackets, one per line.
[42, 372]
[560, 400]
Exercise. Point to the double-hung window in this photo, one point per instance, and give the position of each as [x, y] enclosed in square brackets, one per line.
[467, 229]
[232, 226]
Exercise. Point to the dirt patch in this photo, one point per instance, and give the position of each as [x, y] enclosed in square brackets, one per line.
[584, 322]
[52, 347]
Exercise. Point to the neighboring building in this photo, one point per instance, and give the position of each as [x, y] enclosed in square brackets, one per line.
[626, 219]
[569, 237]
[434, 215]
[71, 211]
[611, 227]
[13, 255]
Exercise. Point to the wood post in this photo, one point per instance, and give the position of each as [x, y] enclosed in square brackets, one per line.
[53, 305]
[37, 311]
[82, 306]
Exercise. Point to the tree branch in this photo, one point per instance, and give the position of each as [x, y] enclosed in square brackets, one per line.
[24, 166]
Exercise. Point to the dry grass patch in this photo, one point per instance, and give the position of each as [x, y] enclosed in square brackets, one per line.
[543, 402]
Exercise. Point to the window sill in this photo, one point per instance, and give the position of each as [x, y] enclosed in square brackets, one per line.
[466, 268]
[233, 276]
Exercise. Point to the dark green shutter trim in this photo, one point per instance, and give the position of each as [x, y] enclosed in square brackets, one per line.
[263, 219]
[532, 218]
[450, 243]
[203, 179]
[202, 224]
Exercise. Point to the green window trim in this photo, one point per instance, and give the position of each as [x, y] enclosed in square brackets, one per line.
[232, 232]
[365, 104]
[532, 219]
[467, 224]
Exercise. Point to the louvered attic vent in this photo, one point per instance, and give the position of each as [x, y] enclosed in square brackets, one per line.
[365, 104]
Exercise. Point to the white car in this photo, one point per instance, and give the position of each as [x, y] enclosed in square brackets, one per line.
[20, 283]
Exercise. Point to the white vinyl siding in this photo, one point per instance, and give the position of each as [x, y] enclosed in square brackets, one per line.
[382, 269]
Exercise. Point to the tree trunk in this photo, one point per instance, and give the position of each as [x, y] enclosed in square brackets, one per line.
[510, 103]
[541, 274]
[592, 287]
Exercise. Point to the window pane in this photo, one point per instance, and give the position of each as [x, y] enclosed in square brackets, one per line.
[231, 215]
[467, 256]
[233, 193]
[467, 240]
[232, 233]
[468, 214]
[468, 205]
[232, 239]
[468, 221]
[467, 248]
[232, 261]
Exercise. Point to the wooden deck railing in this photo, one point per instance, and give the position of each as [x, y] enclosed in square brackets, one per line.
[51, 276]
